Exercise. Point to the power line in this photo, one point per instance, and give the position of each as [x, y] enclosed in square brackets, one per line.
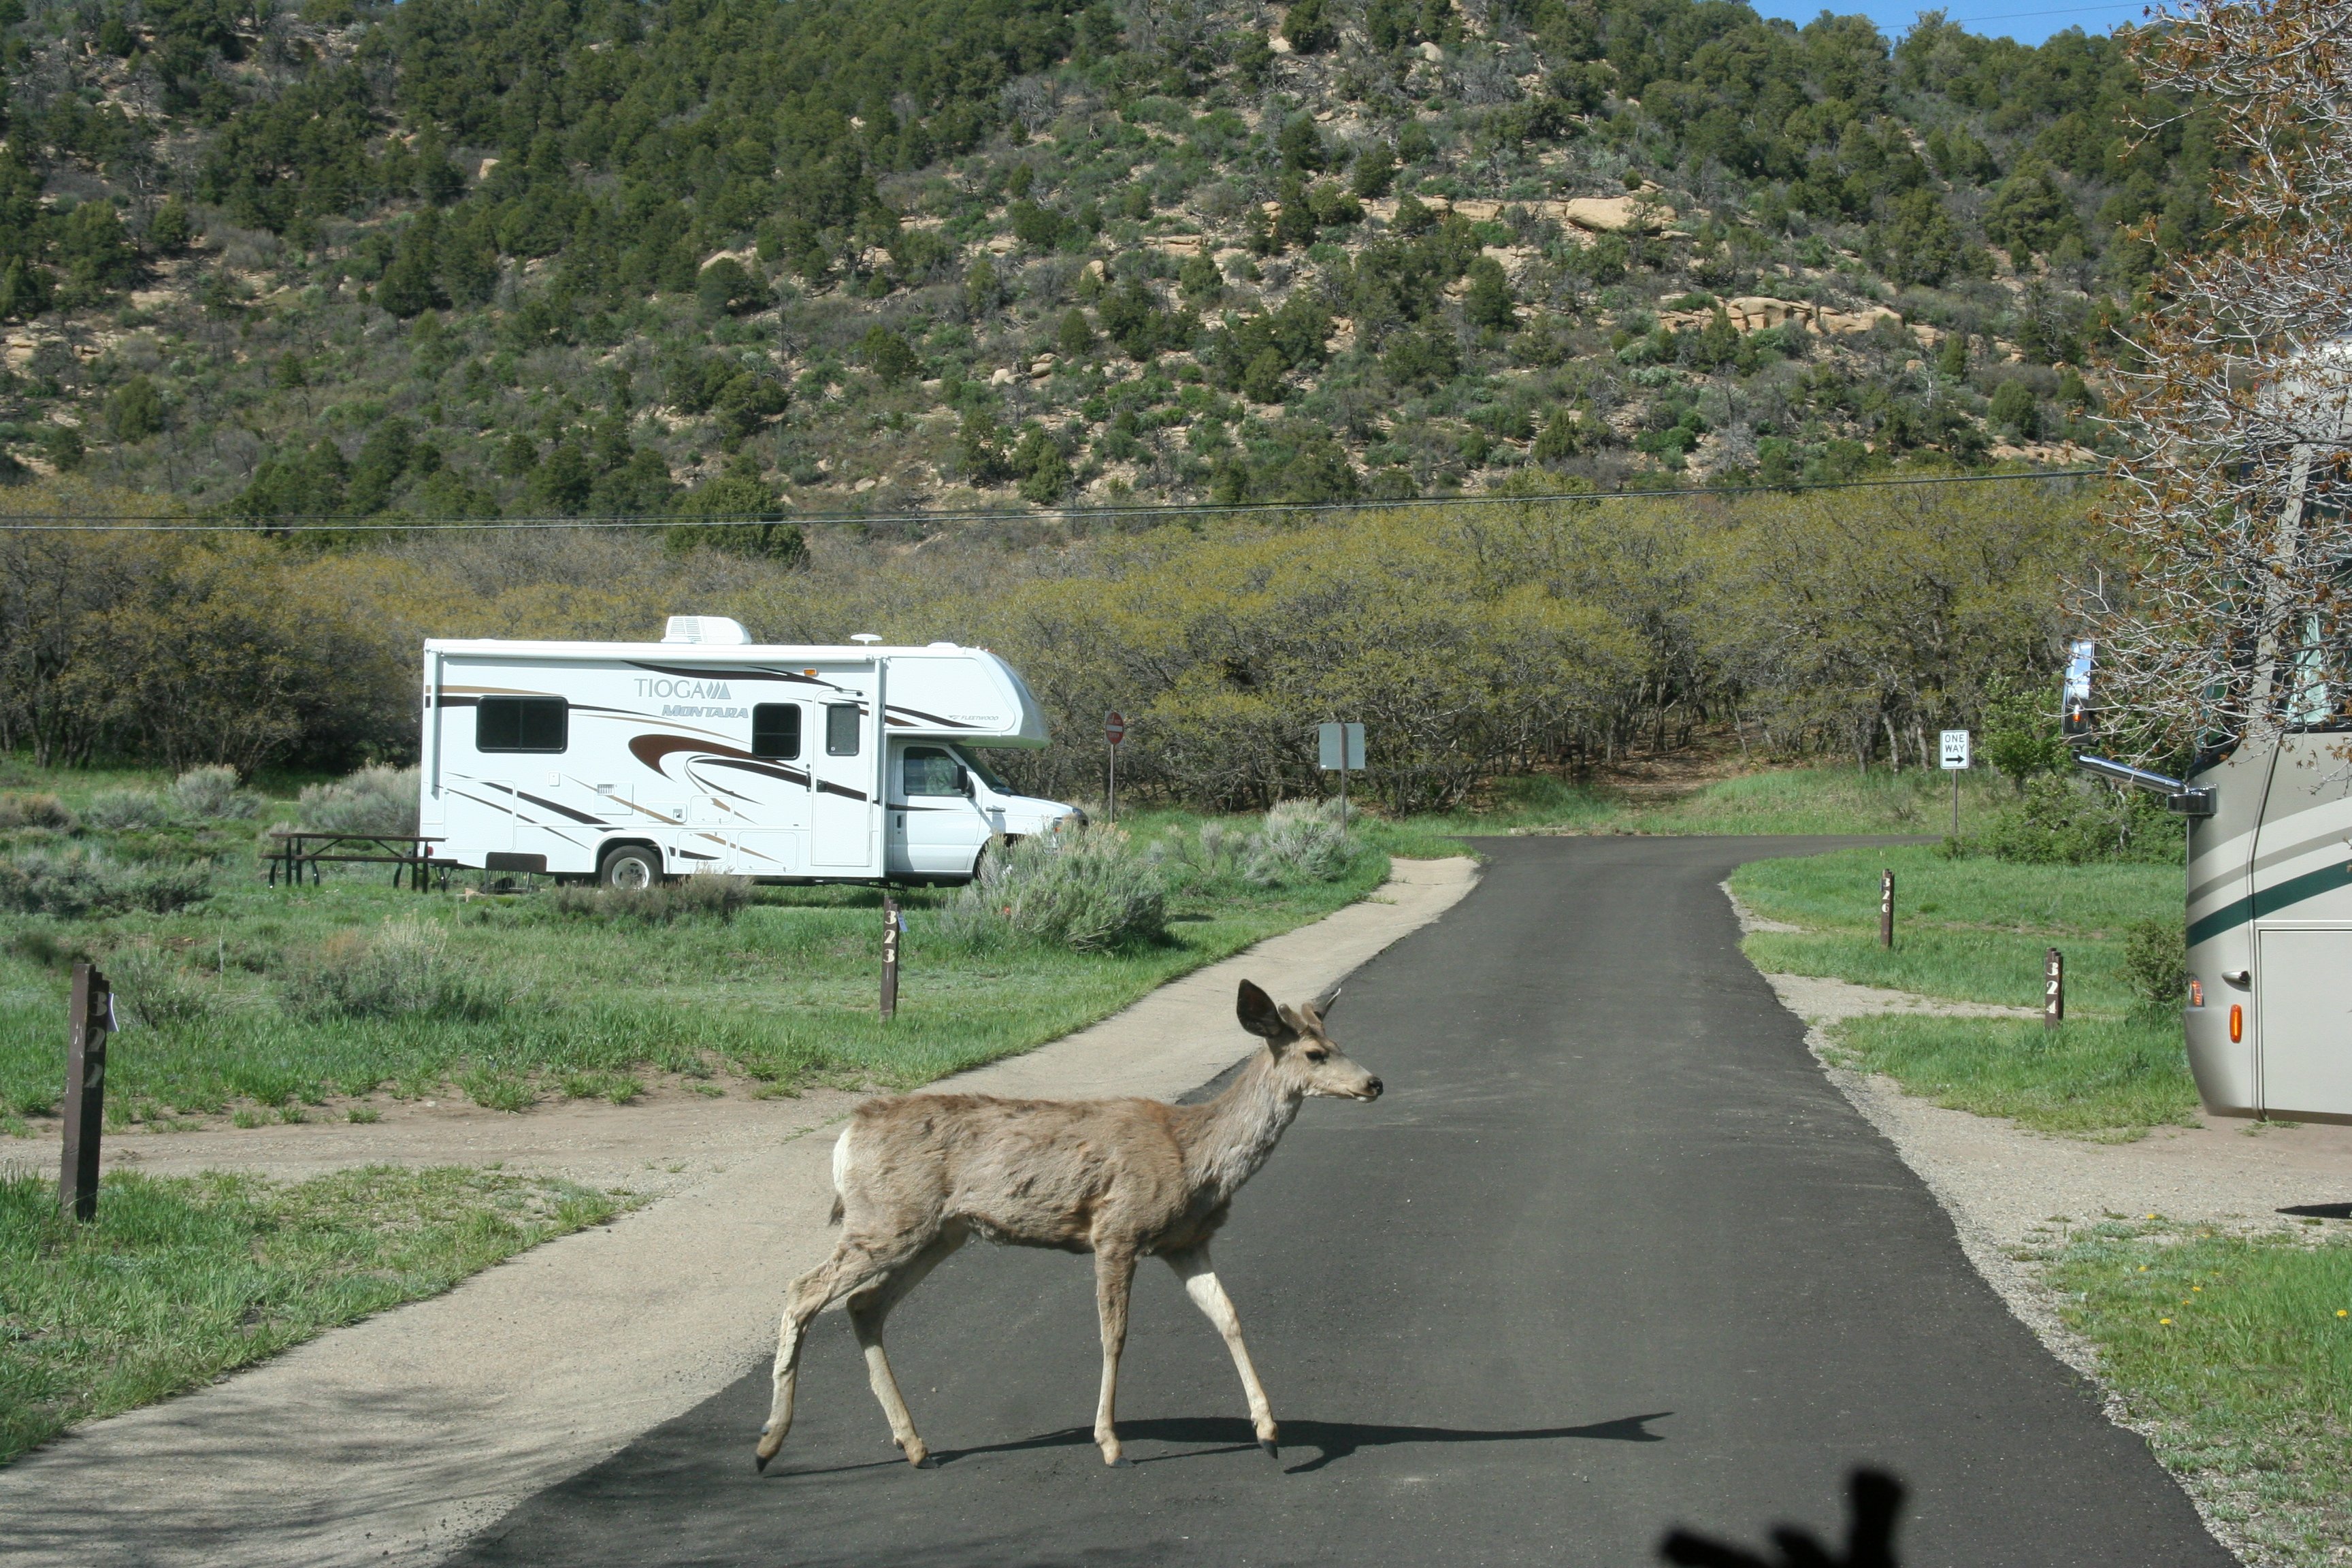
[326, 522]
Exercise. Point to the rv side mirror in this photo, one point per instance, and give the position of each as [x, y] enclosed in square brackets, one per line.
[963, 779]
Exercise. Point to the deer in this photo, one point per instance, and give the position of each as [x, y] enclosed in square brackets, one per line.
[917, 1177]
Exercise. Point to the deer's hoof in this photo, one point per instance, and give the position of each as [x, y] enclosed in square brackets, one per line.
[928, 1462]
[759, 1464]
[1121, 1463]
[1273, 1450]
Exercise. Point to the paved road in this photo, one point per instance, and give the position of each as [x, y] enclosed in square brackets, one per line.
[1610, 1255]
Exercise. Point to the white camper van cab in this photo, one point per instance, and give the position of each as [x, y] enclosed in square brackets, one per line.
[632, 761]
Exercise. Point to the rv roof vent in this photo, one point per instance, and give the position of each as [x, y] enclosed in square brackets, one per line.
[716, 631]
[864, 638]
[942, 645]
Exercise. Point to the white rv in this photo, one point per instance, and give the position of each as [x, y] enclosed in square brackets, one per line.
[2268, 1015]
[632, 761]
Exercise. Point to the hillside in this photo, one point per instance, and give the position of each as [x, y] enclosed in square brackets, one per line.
[459, 259]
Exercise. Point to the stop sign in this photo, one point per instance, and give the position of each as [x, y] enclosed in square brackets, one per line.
[1114, 728]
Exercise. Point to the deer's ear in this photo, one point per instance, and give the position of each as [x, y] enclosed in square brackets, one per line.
[1258, 1013]
[1324, 1004]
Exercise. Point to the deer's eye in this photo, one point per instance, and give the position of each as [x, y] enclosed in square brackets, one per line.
[1318, 1054]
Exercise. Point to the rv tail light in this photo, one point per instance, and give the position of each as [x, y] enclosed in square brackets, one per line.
[2237, 1022]
[2197, 994]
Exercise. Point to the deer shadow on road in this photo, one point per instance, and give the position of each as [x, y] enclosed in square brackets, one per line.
[1210, 1436]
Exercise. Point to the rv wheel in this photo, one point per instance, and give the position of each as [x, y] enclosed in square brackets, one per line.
[631, 867]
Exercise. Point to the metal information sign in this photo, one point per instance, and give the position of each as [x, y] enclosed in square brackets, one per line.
[1340, 749]
[1343, 747]
[1956, 761]
[1114, 731]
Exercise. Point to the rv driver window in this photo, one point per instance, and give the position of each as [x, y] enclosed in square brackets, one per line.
[929, 770]
[841, 730]
[776, 729]
[520, 725]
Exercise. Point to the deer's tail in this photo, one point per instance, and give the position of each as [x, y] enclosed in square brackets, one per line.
[840, 1174]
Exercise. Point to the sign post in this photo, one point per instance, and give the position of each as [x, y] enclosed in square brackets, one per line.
[1340, 749]
[88, 1023]
[893, 923]
[1956, 762]
[2054, 989]
[1886, 907]
[1114, 731]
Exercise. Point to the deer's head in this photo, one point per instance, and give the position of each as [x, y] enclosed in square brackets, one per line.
[1305, 1056]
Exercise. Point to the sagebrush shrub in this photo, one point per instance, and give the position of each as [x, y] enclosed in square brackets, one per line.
[212, 794]
[703, 894]
[119, 810]
[35, 811]
[74, 883]
[156, 989]
[373, 800]
[1302, 841]
[2156, 961]
[401, 968]
[1084, 888]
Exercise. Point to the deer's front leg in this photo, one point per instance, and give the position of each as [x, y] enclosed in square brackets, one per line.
[1113, 1275]
[1200, 1283]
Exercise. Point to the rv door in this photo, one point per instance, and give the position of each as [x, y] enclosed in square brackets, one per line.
[844, 816]
[2303, 932]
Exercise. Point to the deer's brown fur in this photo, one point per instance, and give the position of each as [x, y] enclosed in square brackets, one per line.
[917, 1176]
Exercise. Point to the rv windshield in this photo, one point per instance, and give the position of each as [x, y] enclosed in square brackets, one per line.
[982, 772]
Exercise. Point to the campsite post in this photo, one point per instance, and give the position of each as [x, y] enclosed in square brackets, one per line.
[90, 1020]
[891, 919]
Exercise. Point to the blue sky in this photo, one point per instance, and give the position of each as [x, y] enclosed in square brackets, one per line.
[1995, 18]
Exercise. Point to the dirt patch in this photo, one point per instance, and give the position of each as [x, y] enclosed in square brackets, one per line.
[662, 1144]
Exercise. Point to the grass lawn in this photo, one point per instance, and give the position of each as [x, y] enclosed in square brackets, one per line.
[1783, 799]
[2238, 1350]
[179, 1280]
[784, 993]
[1975, 929]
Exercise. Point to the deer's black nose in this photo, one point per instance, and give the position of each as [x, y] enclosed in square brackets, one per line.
[1372, 1089]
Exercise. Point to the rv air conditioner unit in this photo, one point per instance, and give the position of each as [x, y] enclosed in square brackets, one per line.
[707, 631]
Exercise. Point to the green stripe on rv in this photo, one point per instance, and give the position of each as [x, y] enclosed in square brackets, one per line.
[2270, 901]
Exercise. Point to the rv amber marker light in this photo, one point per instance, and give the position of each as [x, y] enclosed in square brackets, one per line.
[2196, 992]
[2237, 1022]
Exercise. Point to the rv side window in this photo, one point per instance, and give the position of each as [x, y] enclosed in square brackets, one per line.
[520, 725]
[776, 729]
[841, 730]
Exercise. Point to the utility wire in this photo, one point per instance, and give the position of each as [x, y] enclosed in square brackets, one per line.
[325, 522]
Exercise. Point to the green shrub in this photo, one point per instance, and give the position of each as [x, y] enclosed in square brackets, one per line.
[2062, 821]
[35, 811]
[2156, 961]
[212, 794]
[156, 989]
[1087, 889]
[119, 810]
[373, 800]
[704, 894]
[400, 969]
[1302, 841]
[74, 883]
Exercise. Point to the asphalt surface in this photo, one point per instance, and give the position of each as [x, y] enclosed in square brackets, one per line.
[1610, 1257]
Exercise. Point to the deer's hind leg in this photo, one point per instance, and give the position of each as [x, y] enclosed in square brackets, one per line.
[870, 1308]
[1200, 1283]
[1114, 1278]
[857, 1263]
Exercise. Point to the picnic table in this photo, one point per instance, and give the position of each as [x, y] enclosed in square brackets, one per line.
[408, 855]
